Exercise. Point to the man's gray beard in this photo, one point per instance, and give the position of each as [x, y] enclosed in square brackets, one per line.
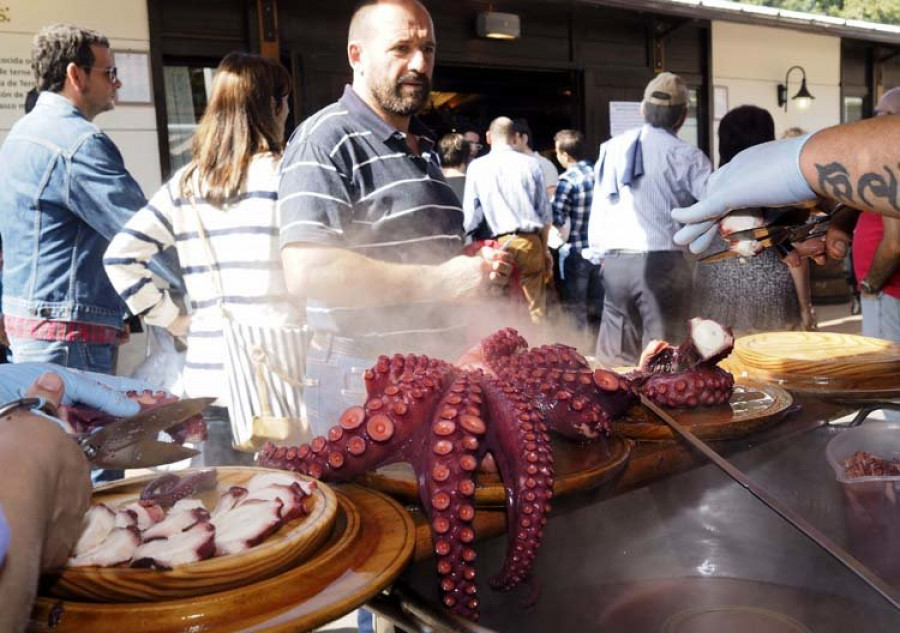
[390, 99]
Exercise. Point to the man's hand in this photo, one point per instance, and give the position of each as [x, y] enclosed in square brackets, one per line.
[102, 392]
[180, 326]
[499, 265]
[766, 175]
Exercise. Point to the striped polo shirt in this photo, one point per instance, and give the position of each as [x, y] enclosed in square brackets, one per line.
[349, 180]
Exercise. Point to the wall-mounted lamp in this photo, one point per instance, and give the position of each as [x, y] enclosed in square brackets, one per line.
[498, 26]
[803, 98]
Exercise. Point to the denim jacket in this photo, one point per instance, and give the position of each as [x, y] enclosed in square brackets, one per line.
[64, 193]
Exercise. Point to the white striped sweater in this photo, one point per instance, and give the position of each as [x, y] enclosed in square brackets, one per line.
[244, 238]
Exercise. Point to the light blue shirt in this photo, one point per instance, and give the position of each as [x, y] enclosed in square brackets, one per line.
[506, 187]
[4, 536]
[639, 218]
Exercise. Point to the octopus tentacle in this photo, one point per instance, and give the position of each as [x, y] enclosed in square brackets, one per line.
[168, 489]
[402, 392]
[445, 469]
[520, 443]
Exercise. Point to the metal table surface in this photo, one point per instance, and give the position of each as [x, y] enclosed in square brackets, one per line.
[696, 552]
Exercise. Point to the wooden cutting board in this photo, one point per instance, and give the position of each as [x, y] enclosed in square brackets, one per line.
[826, 362]
[577, 467]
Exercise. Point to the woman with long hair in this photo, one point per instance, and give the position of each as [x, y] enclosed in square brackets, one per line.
[219, 211]
[758, 293]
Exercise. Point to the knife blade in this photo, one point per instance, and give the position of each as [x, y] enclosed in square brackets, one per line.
[716, 257]
[143, 455]
[145, 425]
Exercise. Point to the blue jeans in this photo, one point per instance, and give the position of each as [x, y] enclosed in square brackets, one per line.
[97, 357]
[334, 380]
[881, 317]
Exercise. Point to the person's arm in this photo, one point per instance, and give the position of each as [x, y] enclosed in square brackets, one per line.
[562, 203]
[342, 277]
[887, 256]
[473, 213]
[44, 502]
[105, 196]
[127, 260]
[856, 164]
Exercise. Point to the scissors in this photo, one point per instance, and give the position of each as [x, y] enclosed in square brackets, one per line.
[777, 236]
[128, 442]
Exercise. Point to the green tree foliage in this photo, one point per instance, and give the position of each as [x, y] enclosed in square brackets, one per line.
[883, 11]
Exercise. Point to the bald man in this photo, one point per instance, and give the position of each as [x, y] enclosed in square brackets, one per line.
[507, 189]
[371, 233]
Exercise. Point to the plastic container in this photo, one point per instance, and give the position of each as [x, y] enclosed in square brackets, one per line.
[882, 439]
[872, 504]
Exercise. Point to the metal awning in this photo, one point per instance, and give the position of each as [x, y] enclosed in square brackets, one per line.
[762, 16]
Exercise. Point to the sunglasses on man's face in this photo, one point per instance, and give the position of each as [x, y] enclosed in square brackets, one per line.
[112, 73]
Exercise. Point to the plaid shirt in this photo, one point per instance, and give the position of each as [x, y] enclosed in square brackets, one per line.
[572, 201]
[71, 331]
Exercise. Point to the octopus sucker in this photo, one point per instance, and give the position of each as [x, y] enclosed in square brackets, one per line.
[497, 404]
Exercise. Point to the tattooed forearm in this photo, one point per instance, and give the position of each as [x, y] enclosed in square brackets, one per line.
[836, 182]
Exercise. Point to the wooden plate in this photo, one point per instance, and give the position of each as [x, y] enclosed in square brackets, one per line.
[753, 406]
[370, 544]
[294, 542]
[577, 467]
[821, 362]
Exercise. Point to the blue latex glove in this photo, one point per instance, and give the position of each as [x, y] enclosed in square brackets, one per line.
[102, 392]
[766, 175]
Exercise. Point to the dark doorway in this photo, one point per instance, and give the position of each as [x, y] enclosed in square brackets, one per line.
[469, 98]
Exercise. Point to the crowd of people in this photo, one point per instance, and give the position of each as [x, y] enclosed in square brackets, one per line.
[364, 230]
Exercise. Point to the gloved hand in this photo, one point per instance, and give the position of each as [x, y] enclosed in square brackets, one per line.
[766, 175]
[99, 391]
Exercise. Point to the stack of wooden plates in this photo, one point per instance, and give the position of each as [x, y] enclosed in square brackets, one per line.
[820, 361]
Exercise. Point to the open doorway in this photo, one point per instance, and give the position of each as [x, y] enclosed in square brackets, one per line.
[469, 98]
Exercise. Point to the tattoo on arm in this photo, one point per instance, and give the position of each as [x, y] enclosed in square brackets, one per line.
[881, 187]
[835, 182]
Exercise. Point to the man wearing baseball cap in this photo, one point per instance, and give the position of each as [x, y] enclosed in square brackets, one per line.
[640, 176]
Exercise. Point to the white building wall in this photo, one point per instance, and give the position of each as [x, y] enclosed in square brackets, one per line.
[125, 23]
[750, 61]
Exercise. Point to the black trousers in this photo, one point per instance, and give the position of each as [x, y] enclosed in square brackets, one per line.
[582, 290]
[647, 296]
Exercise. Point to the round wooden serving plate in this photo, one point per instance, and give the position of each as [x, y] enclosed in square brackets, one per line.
[753, 406]
[826, 363]
[370, 544]
[292, 543]
[577, 467]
